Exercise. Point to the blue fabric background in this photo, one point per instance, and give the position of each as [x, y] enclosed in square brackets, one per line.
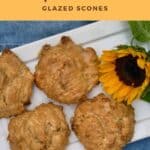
[16, 33]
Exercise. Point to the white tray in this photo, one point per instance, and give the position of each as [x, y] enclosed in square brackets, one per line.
[100, 35]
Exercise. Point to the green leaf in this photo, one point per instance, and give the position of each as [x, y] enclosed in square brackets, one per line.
[136, 48]
[140, 30]
[146, 94]
[123, 46]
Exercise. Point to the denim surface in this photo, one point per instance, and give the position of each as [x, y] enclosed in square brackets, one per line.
[16, 33]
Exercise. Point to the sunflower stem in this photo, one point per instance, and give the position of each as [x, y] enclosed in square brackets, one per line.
[132, 41]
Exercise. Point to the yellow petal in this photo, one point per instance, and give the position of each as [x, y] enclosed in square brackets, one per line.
[107, 67]
[113, 81]
[148, 69]
[146, 82]
[112, 89]
[141, 54]
[148, 64]
[132, 95]
[123, 92]
[122, 55]
[106, 76]
[108, 56]
[136, 92]
[141, 63]
[109, 52]
[122, 51]
[116, 98]
[144, 85]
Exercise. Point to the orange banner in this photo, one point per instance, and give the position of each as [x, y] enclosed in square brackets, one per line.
[74, 10]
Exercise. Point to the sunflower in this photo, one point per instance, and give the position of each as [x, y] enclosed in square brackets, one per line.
[124, 73]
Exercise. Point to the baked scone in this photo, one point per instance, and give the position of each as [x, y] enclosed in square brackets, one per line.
[66, 72]
[15, 84]
[103, 124]
[44, 128]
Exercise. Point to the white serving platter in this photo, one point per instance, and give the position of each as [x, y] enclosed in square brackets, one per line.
[101, 35]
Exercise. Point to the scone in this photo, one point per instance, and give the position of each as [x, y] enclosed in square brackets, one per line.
[44, 128]
[15, 84]
[66, 72]
[103, 124]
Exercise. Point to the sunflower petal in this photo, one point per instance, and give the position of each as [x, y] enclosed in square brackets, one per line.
[148, 69]
[108, 56]
[122, 55]
[144, 85]
[122, 51]
[107, 67]
[115, 97]
[112, 89]
[113, 81]
[141, 55]
[123, 92]
[132, 95]
[141, 63]
[109, 52]
[106, 77]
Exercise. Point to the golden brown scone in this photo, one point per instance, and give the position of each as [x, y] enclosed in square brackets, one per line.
[44, 128]
[102, 124]
[15, 84]
[66, 72]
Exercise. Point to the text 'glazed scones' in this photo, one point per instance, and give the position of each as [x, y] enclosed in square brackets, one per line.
[45, 128]
[66, 72]
[15, 84]
[102, 124]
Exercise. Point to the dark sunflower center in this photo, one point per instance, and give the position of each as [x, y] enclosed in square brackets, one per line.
[129, 72]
